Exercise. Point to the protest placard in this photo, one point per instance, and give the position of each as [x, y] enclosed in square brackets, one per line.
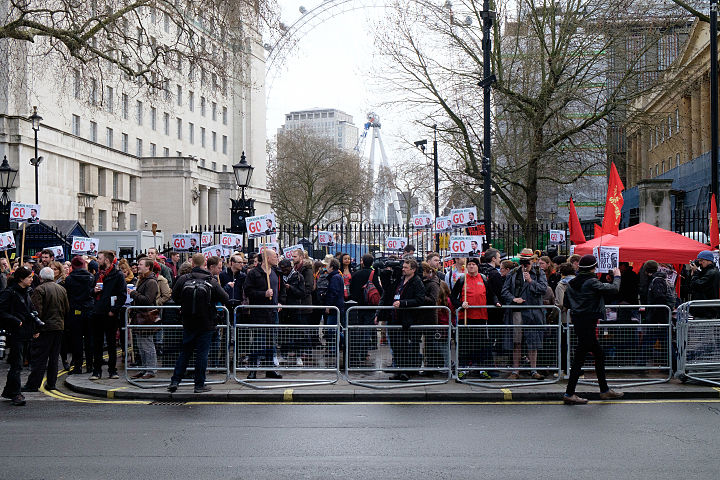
[84, 246]
[395, 243]
[29, 212]
[58, 251]
[443, 224]
[213, 251]
[326, 239]
[464, 217]
[186, 242]
[206, 239]
[288, 251]
[271, 245]
[7, 241]
[557, 236]
[261, 225]
[607, 258]
[466, 246]
[422, 221]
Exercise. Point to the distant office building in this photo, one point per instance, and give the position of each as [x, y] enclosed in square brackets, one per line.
[327, 122]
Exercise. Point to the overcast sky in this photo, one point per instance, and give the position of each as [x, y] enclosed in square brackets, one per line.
[330, 68]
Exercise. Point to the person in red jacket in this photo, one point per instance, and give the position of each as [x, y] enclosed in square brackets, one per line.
[474, 346]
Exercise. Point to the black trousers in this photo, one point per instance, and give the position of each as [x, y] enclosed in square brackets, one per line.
[15, 359]
[44, 352]
[587, 342]
[81, 339]
[104, 328]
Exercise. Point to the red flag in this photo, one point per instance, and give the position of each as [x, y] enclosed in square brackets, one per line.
[613, 203]
[714, 233]
[576, 233]
[598, 231]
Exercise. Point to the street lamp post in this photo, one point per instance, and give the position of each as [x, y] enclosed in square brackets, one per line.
[242, 207]
[421, 145]
[713, 99]
[35, 161]
[488, 17]
[7, 181]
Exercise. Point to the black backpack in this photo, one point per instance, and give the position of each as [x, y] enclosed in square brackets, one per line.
[196, 294]
[323, 282]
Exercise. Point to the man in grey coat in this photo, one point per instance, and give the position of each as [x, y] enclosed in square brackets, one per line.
[525, 285]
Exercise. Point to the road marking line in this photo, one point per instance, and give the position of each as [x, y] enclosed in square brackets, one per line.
[288, 395]
[507, 394]
[717, 389]
[503, 403]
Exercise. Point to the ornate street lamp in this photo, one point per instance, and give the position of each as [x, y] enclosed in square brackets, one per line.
[7, 181]
[243, 207]
[35, 161]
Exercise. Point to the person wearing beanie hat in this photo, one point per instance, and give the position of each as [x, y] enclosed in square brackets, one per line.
[584, 298]
[16, 318]
[704, 284]
[80, 285]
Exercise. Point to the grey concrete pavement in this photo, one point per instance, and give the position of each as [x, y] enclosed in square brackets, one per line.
[57, 440]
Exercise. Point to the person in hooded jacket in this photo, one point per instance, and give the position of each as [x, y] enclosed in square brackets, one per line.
[16, 318]
[79, 286]
[704, 284]
[584, 298]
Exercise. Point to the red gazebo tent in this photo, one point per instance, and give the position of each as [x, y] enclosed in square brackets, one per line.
[643, 242]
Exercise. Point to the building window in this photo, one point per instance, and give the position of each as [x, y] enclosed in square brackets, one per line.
[166, 123]
[139, 112]
[102, 181]
[224, 144]
[224, 114]
[191, 132]
[191, 101]
[76, 125]
[124, 143]
[677, 160]
[93, 91]
[179, 128]
[214, 111]
[202, 106]
[125, 106]
[133, 221]
[214, 141]
[109, 137]
[166, 152]
[179, 95]
[93, 132]
[77, 85]
[670, 127]
[121, 221]
[109, 94]
[202, 137]
[166, 22]
[153, 118]
[116, 185]
[139, 143]
[102, 217]
[133, 189]
[153, 150]
[81, 183]
[166, 87]
[677, 120]
[214, 166]
[657, 169]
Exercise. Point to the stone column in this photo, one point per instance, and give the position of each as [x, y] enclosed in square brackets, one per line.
[203, 206]
[655, 203]
[705, 114]
[213, 206]
[695, 121]
[686, 127]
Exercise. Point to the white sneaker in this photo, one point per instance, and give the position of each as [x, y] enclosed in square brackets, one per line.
[276, 361]
[299, 362]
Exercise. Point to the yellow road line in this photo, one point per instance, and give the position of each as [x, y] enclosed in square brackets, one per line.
[717, 389]
[507, 394]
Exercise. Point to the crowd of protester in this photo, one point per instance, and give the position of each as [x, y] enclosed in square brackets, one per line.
[75, 310]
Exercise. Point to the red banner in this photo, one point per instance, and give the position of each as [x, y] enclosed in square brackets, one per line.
[576, 233]
[613, 203]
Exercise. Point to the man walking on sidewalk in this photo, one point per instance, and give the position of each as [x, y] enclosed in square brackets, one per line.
[197, 293]
[584, 298]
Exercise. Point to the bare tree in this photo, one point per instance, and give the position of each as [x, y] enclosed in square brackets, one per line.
[412, 185]
[311, 180]
[563, 71]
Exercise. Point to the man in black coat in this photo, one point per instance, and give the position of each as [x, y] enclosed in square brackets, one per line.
[199, 316]
[16, 319]
[489, 265]
[79, 286]
[110, 295]
[232, 279]
[704, 284]
[358, 281]
[409, 292]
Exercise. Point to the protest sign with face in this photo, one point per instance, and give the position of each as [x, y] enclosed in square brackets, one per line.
[85, 246]
[443, 224]
[7, 241]
[422, 221]
[206, 239]
[464, 217]
[213, 251]
[270, 245]
[186, 242]
[288, 251]
[395, 243]
[261, 225]
[326, 239]
[29, 212]
[58, 252]
[466, 246]
[557, 236]
[607, 258]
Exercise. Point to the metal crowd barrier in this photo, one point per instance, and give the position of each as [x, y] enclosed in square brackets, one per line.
[167, 352]
[287, 347]
[422, 350]
[630, 347]
[488, 355]
[698, 342]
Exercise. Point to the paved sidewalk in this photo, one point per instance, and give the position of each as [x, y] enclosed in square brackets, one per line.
[342, 391]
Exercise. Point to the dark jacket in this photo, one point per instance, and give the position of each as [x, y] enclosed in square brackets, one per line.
[308, 281]
[15, 308]
[629, 285]
[235, 293]
[255, 287]
[166, 272]
[79, 286]
[112, 297]
[336, 291]
[494, 283]
[704, 285]
[293, 289]
[412, 295]
[206, 318]
[51, 303]
[660, 293]
[146, 291]
[432, 294]
[585, 296]
[532, 292]
[358, 281]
